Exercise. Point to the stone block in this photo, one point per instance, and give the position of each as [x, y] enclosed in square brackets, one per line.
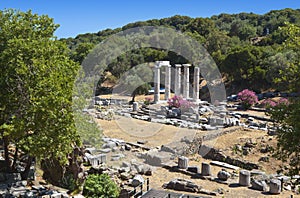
[45, 196]
[91, 150]
[182, 185]
[105, 150]
[259, 185]
[18, 191]
[157, 158]
[275, 186]
[127, 147]
[96, 160]
[125, 176]
[56, 195]
[137, 180]
[20, 183]
[126, 164]
[109, 144]
[193, 169]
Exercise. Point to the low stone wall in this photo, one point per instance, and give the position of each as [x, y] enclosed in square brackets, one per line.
[214, 154]
[217, 133]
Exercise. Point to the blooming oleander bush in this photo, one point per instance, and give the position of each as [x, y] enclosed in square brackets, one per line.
[247, 98]
[174, 101]
[148, 100]
[179, 102]
[268, 103]
[283, 101]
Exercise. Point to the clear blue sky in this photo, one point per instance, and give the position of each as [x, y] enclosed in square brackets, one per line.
[78, 16]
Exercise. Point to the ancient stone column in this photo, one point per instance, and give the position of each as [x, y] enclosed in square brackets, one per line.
[167, 81]
[186, 81]
[205, 169]
[275, 186]
[156, 83]
[196, 84]
[244, 178]
[177, 79]
[183, 162]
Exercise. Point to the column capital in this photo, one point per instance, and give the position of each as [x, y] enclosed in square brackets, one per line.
[162, 63]
[177, 65]
[186, 65]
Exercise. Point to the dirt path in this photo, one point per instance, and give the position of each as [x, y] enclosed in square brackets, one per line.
[132, 130]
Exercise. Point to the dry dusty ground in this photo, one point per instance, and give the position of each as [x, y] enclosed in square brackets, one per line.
[132, 130]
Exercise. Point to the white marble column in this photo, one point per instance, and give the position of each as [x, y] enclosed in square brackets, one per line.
[186, 81]
[167, 81]
[196, 84]
[156, 83]
[177, 79]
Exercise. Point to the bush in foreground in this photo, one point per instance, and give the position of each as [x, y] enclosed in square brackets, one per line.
[100, 186]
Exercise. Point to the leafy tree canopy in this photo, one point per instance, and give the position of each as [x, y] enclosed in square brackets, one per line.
[36, 88]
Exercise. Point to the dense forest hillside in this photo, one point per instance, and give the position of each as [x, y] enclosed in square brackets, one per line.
[248, 48]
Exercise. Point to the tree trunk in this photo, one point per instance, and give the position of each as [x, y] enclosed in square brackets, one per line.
[133, 97]
[25, 173]
[15, 159]
[6, 153]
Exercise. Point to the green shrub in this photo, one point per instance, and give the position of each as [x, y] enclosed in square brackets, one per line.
[69, 182]
[100, 186]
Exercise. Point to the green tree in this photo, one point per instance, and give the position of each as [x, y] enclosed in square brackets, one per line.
[100, 186]
[36, 89]
[287, 117]
[135, 81]
[203, 26]
[242, 29]
[239, 62]
[290, 74]
[81, 51]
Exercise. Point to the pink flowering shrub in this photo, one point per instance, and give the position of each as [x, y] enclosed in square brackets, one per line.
[179, 102]
[148, 100]
[268, 103]
[174, 101]
[283, 101]
[247, 98]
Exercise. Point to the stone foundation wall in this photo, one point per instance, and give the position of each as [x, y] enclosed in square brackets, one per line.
[214, 154]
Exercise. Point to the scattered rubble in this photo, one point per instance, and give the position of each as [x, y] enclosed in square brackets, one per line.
[14, 186]
[223, 175]
[182, 185]
[131, 173]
